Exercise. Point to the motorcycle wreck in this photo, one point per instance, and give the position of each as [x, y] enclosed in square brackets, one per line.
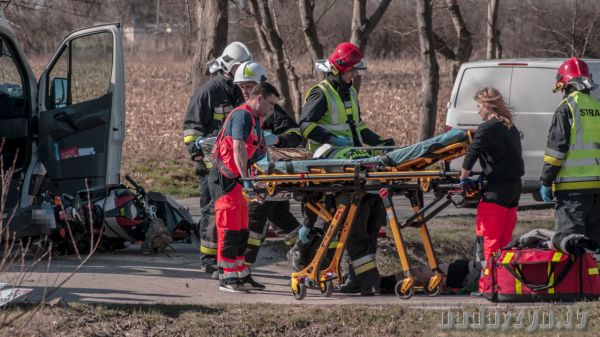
[117, 216]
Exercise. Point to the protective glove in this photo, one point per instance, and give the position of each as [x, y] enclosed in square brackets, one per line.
[248, 185]
[303, 233]
[270, 139]
[195, 151]
[467, 183]
[546, 193]
[340, 141]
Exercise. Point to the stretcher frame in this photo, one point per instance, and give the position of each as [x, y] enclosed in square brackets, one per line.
[407, 178]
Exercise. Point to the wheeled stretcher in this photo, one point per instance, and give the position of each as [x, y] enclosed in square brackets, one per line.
[405, 171]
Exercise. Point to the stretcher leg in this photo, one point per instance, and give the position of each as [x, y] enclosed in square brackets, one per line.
[327, 275]
[404, 288]
[304, 278]
[434, 286]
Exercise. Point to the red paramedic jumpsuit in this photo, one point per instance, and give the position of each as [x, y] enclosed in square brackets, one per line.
[231, 208]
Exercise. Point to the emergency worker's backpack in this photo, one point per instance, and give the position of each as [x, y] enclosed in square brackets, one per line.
[538, 274]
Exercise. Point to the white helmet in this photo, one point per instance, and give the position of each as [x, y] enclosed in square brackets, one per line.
[321, 151]
[250, 72]
[234, 53]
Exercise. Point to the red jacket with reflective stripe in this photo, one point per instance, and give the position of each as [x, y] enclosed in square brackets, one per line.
[223, 149]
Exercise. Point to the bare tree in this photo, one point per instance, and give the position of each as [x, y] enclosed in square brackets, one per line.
[464, 46]
[274, 51]
[363, 26]
[493, 34]
[212, 24]
[429, 70]
[309, 28]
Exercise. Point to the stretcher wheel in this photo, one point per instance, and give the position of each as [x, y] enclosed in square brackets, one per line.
[328, 289]
[436, 291]
[403, 295]
[299, 293]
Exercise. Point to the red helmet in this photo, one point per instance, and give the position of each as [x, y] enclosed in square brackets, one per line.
[345, 57]
[569, 70]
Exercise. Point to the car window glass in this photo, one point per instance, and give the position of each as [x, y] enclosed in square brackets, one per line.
[474, 79]
[532, 90]
[11, 83]
[59, 71]
[91, 66]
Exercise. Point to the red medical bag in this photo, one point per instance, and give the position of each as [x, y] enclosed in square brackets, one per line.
[535, 274]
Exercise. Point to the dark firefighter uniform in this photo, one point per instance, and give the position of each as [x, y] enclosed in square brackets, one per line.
[207, 109]
[231, 208]
[276, 212]
[332, 109]
[572, 166]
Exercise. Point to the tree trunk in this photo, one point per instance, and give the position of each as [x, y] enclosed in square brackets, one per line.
[492, 20]
[363, 26]
[309, 28]
[211, 18]
[429, 70]
[273, 50]
[465, 43]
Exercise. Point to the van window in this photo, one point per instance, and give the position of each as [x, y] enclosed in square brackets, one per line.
[12, 102]
[474, 79]
[532, 90]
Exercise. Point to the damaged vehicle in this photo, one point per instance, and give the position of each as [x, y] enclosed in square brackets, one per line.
[62, 138]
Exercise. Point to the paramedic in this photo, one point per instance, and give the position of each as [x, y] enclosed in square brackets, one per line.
[571, 162]
[239, 143]
[206, 112]
[497, 145]
[281, 131]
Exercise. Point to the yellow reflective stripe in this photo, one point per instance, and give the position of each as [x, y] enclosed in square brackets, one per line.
[191, 138]
[294, 130]
[208, 164]
[254, 242]
[593, 271]
[365, 267]
[552, 161]
[551, 275]
[208, 251]
[508, 257]
[580, 171]
[311, 126]
[333, 245]
[219, 117]
[486, 271]
[576, 185]
[583, 154]
[518, 287]
[556, 257]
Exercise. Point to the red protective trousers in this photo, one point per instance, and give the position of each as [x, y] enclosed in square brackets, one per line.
[231, 216]
[495, 224]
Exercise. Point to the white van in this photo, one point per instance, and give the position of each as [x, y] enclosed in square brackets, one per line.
[526, 85]
[63, 132]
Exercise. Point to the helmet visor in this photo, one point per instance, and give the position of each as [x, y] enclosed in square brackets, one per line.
[361, 67]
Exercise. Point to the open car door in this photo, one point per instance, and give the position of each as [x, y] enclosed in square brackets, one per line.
[81, 104]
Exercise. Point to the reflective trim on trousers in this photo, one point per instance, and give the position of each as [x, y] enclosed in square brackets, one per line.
[555, 154]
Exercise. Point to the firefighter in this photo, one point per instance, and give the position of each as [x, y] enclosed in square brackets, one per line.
[331, 114]
[281, 131]
[571, 162]
[239, 144]
[207, 110]
[497, 146]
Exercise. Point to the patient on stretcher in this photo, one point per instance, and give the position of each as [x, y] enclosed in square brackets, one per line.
[335, 159]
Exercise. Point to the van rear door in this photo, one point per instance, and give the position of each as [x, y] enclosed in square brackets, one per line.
[81, 102]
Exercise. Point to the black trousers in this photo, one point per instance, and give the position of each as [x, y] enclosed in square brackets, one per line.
[576, 214]
[276, 213]
[207, 225]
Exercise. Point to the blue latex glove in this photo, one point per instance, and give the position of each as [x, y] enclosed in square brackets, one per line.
[303, 233]
[248, 185]
[340, 141]
[546, 193]
[270, 139]
[467, 183]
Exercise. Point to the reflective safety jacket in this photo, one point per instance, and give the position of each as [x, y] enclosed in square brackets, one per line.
[572, 156]
[208, 108]
[223, 149]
